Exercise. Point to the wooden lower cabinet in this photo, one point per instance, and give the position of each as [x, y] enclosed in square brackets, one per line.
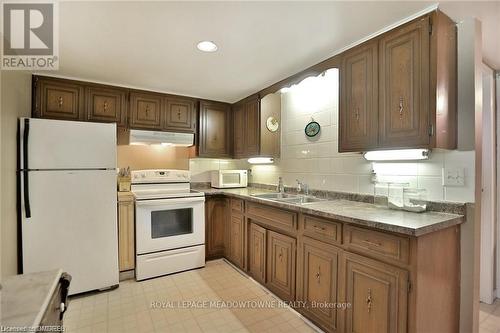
[126, 240]
[377, 293]
[257, 252]
[215, 216]
[236, 239]
[317, 282]
[281, 265]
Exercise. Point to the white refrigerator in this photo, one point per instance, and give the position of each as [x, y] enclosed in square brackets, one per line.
[68, 210]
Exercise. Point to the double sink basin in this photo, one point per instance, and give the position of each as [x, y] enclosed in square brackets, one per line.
[288, 198]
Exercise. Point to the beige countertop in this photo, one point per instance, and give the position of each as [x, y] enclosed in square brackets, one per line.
[26, 297]
[357, 213]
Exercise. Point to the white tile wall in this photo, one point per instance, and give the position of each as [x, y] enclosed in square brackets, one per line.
[318, 162]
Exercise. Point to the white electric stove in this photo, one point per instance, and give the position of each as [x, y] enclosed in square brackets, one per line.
[170, 223]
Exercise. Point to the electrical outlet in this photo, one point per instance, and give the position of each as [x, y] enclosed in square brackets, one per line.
[453, 177]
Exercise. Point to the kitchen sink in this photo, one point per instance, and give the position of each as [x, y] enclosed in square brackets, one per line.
[276, 196]
[288, 198]
[301, 200]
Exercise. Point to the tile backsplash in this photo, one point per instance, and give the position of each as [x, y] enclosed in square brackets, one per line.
[318, 162]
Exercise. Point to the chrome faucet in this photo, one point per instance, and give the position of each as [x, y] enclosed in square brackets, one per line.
[281, 187]
[302, 187]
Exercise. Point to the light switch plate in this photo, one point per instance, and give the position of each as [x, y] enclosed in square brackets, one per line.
[453, 177]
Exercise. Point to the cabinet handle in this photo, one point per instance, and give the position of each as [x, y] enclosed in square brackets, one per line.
[105, 106]
[318, 274]
[319, 228]
[147, 110]
[356, 113]
[401, 106]
[60, 101]
[281, 255]
[369, 300]
[372, 243]
[178, 114]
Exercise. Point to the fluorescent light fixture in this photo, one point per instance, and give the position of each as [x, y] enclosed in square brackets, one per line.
[397, 155]
[140, 137]
[261, 160]
[207, 46]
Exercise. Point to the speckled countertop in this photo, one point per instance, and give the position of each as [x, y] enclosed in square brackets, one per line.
[26, 297]
[359, 213]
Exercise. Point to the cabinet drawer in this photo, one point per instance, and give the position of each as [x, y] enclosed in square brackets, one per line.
[327, 231]
[274, 217]
[237, 205]
[377, 244]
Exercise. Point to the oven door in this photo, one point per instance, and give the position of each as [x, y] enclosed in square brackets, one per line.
[166, 224]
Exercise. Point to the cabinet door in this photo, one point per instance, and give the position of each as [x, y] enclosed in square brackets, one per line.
[239, 129]
[126, 238]
[281, 265]
[215, 213]
[257, 252]
[404, 87]
[237, 239]
[58, 99]
[377, 293]
[318, 281]
[214, 130]
[106, 105]
[358, 114]
[252, 127]
[180, 115]
[145, 111]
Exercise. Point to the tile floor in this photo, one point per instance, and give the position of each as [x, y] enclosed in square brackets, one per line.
[137, 306]
[489, 317]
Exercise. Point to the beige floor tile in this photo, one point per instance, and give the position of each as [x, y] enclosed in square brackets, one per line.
[150, 306]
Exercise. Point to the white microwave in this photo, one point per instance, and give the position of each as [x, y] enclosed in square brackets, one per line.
[229, 178]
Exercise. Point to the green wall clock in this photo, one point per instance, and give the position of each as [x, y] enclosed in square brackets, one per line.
[312, 129]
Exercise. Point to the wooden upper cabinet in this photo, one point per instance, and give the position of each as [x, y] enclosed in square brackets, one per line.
[252, 127]
[404, 86]
[58, 99]
[359, 98]
[145, 110]
[318, 281]
[106, 104]
[399, 90]
[180, 114]
[239, 130]
[378, 296]
[281, 265]
[214, 130]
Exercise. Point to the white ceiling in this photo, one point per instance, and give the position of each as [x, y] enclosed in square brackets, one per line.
[152, 45]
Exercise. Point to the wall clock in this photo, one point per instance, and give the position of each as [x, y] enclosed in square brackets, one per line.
[272, 124]
[312, 129]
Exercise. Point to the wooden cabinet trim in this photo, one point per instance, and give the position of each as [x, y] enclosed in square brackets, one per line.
[380, 245]
[321, 229]
[126, 232]
[237, 205]
[278, 218]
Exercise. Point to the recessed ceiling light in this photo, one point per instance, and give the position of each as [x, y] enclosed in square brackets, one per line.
[207, 46]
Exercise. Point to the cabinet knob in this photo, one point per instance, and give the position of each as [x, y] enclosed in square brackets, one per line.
[60, 101]
[105, 106]
[369, 300]
[318, 274]
[401, 107]
[179, 114]
[356, 114]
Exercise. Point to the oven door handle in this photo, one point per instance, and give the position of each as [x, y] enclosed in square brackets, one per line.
[156, 202]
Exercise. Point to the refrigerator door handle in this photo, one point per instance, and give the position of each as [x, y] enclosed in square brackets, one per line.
[26, 191]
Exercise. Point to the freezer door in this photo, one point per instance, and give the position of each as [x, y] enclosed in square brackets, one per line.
[73, 226]
[59, 144]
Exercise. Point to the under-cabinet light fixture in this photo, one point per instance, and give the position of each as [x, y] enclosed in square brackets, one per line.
[261, 160]
[397, 155]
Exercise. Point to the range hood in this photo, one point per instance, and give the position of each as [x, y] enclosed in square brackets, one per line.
[138, 137]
